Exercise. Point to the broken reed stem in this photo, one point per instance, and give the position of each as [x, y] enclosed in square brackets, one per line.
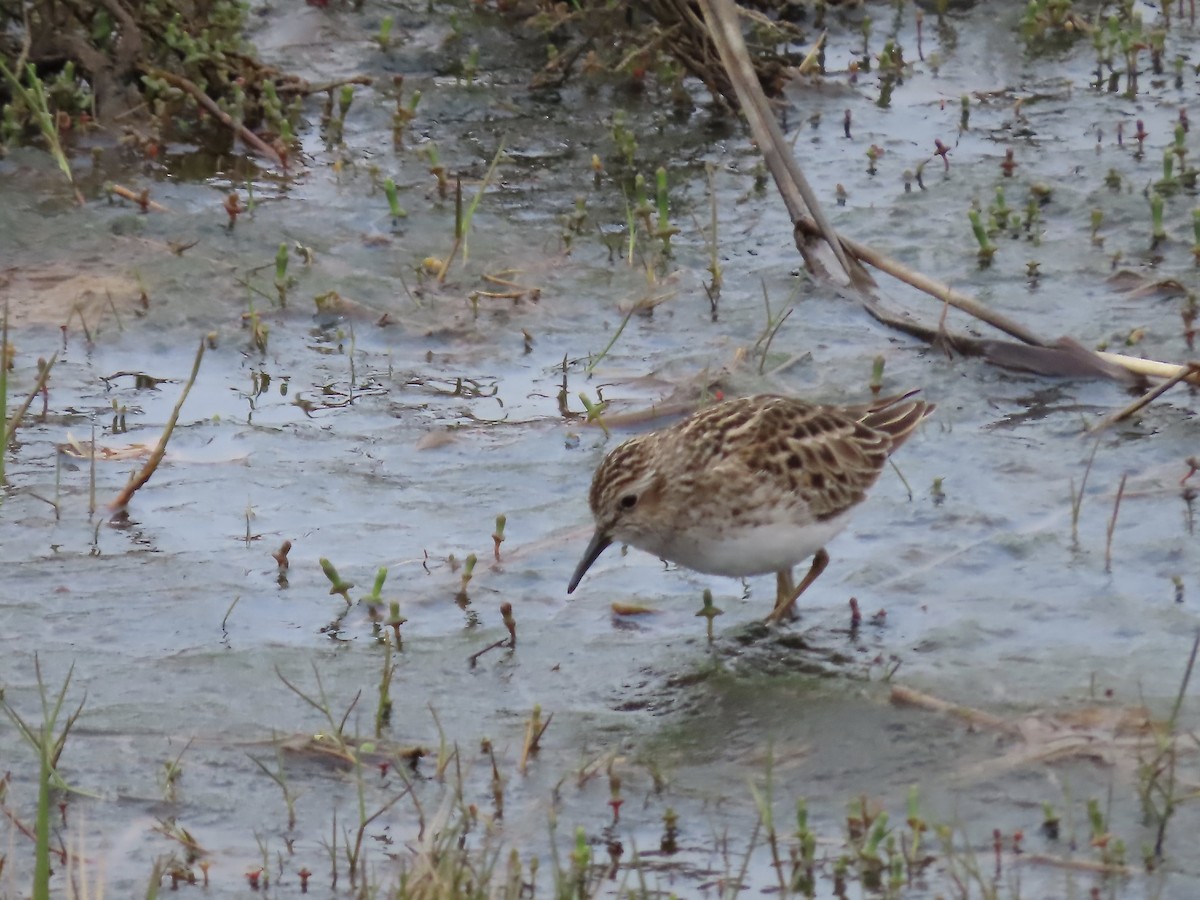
[39, 385]
[136, 197]
[1151, 395]
[1112, 525]
[136, 482]
[903, 696]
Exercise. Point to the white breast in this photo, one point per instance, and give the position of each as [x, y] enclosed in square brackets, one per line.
[754, 550]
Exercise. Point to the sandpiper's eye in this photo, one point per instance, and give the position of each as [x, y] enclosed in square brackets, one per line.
[629, 501]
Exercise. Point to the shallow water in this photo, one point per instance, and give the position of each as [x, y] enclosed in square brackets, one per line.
[397, 446]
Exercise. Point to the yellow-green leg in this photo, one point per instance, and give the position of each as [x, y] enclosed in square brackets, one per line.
[786, 596]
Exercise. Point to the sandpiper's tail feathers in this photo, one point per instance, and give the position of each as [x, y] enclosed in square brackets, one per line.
[896, 416]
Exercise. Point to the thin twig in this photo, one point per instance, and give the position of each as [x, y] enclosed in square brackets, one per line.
[1112, 524]
[1146, 398]
[249, 137]
[39, 385]
[155, 458]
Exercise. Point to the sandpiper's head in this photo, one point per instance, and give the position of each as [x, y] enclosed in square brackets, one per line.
[625, 492]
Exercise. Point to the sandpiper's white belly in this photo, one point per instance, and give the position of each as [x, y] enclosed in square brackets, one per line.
[748, 550]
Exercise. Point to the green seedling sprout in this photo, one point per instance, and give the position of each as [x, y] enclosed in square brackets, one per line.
[389, 190]
[877, 365]
[383, 709]
[467, 574]
[337, 585]
[534, 729]
[375, 598]
[49, 747]
[498, 535]
[581, 858]
[470, 66]
[384, 36]
[1159, 232]
[709, 612]
[281, 267]
[1168, 181]
[1001, 209]
[614, 794]
[345, 99]
[875, 837]
[964, 121]
[1196, 235]
[404, 113]
[594, 411]
[34, 98]
[641, 203]
[665, 229]
[873, 154]
[394, 621]
[624, 139]
[987, 249]
[803, 876]
[1097, 216]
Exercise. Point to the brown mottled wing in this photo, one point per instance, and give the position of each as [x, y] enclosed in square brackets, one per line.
[829, 456]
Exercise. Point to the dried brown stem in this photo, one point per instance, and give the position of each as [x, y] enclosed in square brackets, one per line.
[11, 429]
[1186, 372]
[902, 696]
[123, 498]
[248, 137]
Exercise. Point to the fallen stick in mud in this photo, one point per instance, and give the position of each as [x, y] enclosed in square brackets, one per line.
[122, 500]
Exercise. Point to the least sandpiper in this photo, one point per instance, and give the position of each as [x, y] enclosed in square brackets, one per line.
[747, 487]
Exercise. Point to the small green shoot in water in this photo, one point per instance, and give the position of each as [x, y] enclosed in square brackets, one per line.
[1097, 221]
[1001, 210]
[394, 621]
[345, 99]
[436, 169]
[498, 534]
[641, 203]
[876, 384]
[375, 598]
[1168, 182]
[471, 66]
[467, 575]
[986, 248]
[281, 264]
[665, 229]
[593, 411]
[404, 113]
[337, 585]
[389, 189]
[624, 139]
[1196, 235]
[709, 612]
[384, 36]
[1159, 233]
[281, 279]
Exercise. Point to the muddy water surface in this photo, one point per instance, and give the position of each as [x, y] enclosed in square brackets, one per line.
[392, 428]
